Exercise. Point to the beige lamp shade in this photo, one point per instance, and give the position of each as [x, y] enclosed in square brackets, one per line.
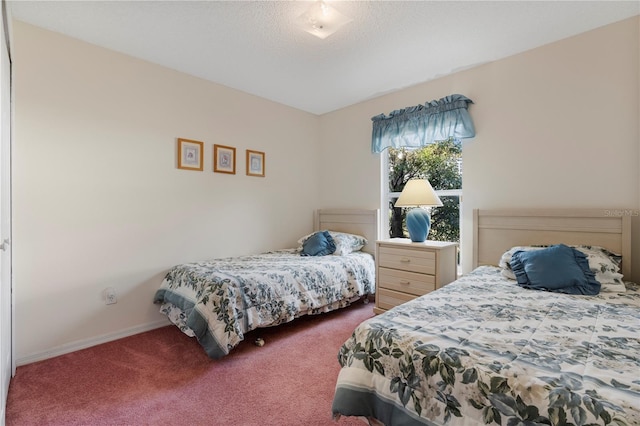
[418, 192]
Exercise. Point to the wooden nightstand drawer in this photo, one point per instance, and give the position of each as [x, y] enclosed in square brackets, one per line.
[387, 299]
[406, 282]
[423, 262]
[406, 270]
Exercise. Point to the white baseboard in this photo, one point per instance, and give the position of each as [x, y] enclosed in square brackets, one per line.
[93, 341]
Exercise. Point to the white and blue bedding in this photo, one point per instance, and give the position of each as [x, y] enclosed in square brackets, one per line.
[220, 300]
[484, 351]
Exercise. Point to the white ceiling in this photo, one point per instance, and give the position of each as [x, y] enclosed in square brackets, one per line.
[255, 46]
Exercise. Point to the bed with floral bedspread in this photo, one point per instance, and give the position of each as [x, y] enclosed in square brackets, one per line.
[483, 350]
[218, 301]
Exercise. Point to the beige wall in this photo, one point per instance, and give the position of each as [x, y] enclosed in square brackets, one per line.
[556, 127]
[98, 200]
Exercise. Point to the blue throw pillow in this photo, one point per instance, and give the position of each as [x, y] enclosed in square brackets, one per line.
[558, 268]
[319, 244]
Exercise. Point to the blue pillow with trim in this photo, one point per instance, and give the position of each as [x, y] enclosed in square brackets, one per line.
[558, 268]
[319, 244]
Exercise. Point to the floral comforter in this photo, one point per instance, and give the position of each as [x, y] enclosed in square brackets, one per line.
[484, 351]
[218, 301]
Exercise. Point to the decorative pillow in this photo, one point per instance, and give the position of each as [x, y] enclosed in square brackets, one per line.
[605, 265]
[557, 268]
[318, 244]
[345, 243]
[505, 260]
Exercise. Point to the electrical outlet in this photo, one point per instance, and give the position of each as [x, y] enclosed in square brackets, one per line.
[110, 296]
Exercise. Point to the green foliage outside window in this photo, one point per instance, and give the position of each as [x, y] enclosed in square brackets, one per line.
[440, 163]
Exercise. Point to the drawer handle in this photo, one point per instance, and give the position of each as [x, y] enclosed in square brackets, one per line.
[405, 260]
[405, 282]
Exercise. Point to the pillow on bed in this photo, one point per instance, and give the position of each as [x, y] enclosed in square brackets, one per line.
[557, 268]
[318, 244]
[345, 243]
[605, 265]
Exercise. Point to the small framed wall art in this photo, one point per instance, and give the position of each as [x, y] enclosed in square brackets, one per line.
[190, 154]
[255, 163]
[224, 159]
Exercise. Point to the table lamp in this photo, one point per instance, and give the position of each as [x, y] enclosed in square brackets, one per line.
[418, 193]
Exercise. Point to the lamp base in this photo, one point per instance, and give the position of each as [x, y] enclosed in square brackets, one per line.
[418, 224]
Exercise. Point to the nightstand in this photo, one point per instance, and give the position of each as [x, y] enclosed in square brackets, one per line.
[406, 270]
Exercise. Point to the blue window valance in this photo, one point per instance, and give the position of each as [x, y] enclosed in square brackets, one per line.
[417, 126]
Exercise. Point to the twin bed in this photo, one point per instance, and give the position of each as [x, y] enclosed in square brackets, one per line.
[483, 350]
[218, 301]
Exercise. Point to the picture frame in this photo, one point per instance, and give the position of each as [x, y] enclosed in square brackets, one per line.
[224, 159]
[190, 154]
[255, 163]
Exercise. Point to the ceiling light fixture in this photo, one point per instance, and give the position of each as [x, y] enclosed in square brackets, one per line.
[322, 20]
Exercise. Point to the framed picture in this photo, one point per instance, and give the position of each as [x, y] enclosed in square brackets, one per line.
[224, 159]
[255, 163]
[190, 154]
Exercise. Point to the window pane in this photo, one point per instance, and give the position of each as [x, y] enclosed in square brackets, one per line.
[445, 220]
[440, 163]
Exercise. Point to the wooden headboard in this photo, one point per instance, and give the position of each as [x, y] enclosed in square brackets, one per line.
[354, 221]
[496, 231]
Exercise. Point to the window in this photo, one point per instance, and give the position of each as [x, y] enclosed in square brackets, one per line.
[441, 164]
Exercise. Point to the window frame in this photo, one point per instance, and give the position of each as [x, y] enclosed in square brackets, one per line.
[386, 196]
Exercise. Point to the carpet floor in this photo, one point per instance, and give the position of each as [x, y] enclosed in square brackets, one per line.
[163, 377]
